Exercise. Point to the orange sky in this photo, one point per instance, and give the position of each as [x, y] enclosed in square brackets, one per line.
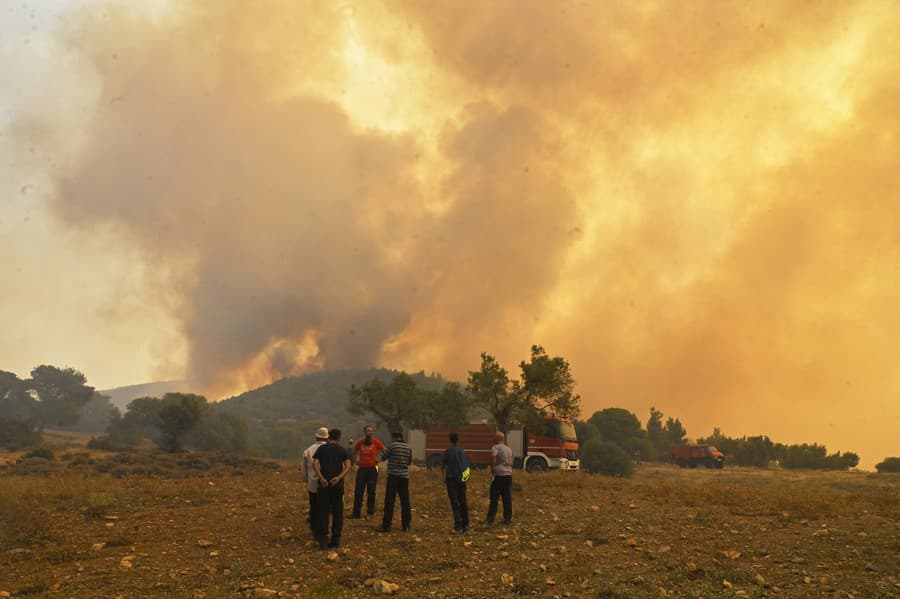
[694, 204]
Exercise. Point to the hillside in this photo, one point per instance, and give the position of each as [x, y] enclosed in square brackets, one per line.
[309, 401]
[121, 396]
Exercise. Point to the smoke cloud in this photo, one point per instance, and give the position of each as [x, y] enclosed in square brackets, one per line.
[693, 204]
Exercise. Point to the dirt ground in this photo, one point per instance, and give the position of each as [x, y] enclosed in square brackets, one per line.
[148, 525]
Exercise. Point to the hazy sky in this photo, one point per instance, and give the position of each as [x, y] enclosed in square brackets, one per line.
[696, 204]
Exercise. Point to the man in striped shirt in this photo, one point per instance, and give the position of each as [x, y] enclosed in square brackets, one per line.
[399, 456]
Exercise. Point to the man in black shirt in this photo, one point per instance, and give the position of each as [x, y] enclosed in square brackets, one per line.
[331, 463]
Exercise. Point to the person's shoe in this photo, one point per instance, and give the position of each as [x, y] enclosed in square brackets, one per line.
[406, 529]
[383, 529]
[507, 522]
[487, 522]
[463, 530]
[334, 544]
[323, 544]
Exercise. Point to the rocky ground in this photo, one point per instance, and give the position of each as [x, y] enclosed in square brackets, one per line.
[143, 525]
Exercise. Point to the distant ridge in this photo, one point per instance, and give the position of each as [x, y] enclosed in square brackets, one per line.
[121, 396]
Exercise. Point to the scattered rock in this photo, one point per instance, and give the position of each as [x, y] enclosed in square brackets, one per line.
[205, 543]
[665, 549]
[870, 567]
[506, 578]
[333, 556]
[98, 546]
[758, 579]
[550, 582]
[383, 587]
[261, 592]
[632, 542]
[727, 584]
[126, 562]
[820, 532]
[731, 554]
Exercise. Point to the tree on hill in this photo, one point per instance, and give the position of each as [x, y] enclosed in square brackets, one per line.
[61, 393]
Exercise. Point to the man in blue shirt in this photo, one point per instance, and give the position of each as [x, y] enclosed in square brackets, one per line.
[456, 466]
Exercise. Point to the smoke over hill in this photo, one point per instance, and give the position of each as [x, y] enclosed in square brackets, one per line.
[692, 205]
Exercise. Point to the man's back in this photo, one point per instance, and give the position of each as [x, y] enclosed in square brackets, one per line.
[455, 462]
[331, 457]
[399, 459]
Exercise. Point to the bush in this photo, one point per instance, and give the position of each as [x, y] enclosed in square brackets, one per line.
[15, 434]
[33, 466]
[40, 452]
[888, 465]
[604, 457]
[98, 505]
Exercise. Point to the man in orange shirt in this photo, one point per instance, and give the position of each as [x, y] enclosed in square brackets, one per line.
[366, 455]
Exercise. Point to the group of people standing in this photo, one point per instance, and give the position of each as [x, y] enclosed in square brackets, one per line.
[326, 463]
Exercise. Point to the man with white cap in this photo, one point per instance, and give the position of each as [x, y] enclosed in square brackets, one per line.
[309, 474]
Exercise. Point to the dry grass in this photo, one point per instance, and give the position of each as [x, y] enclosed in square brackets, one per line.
[686, 533]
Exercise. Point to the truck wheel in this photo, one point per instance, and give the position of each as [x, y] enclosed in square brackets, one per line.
[433, 462]
[536, 465]
[720, 464]
[692, 464]
[681, 463]
[710, 463]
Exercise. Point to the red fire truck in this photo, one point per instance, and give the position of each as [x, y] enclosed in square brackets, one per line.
[555, 446]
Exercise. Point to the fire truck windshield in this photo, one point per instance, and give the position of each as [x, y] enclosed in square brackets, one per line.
[567, 432]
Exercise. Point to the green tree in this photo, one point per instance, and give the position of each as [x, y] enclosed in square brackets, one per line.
[61, 392]
[180, 414]
[604, 457]
[585, 431]
[398, 403]
[656, 434]
[219, 431]
[491, 389]
[141, 419]
[619, 426]
[15, 401]
[96, 415]
[675, 432]
[548, 385]
[448, 406]
[888, 465]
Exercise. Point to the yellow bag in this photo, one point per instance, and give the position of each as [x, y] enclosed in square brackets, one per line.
[465, 475]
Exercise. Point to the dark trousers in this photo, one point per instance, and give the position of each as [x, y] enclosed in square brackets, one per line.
[501, 486]
[330, 501]
[366, 479]
[456, 491]
[312, 511]
[397, 485]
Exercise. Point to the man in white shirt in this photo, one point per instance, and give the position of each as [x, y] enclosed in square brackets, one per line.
[309, 473]
[501, 483]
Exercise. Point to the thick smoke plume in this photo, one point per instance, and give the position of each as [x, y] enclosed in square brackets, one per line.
[695, 204]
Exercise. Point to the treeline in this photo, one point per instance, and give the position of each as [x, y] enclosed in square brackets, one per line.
[51, 397]
[623, 439]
